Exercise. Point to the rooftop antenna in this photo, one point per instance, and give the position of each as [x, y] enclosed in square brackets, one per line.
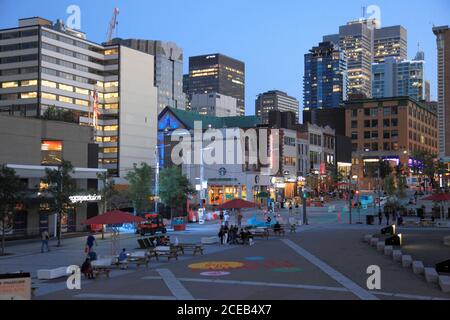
[363, 8]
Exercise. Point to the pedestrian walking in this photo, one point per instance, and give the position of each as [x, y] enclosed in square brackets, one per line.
[226, 218]
[90, 243]
[220, 234]
[45, 237]
[221, 216]
[386, 214]
[380, 217]
[239, 219]
[290, 208]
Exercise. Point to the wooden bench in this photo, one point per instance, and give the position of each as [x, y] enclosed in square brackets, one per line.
[191, 246]
[169, 253]
[98, 271]
[139, 261]
[280, 232]
[260, 233]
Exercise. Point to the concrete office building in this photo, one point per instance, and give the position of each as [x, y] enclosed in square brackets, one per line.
[390, 42]
[275, 100]
[50, 71]
[168, 69]
[214, 104]
[443, 68]
[30, 146]
[325, 78]
[218, 73]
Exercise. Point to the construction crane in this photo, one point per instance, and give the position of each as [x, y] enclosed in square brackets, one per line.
[112, 25]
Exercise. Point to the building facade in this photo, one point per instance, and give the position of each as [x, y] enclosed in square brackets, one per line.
[325, 79]
[52, 72]
[214, 104]
[443, 57]
[365, 42]
[394, 77]
[218, 73]
[390, 42]
[390, 129]
[275, 100]
[34, 145]
[168, 69]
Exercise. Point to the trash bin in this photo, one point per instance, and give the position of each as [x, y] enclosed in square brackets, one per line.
[370, 219]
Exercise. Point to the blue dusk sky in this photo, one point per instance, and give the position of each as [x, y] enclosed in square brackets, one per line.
[270, 36]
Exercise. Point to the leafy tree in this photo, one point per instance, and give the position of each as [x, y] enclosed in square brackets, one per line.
[61, 186]
[108, 191]
[389, 185]
[401, 186]
[385, 168]
[140, 184]
[174, 189]
[11, 192]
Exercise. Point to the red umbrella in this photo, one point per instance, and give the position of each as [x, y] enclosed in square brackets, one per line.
[114, 217]
[237, 204]
[438, 197]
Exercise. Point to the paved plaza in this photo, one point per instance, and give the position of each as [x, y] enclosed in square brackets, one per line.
[326, 259]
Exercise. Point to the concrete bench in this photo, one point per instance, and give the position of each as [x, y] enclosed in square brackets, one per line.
[388, 250]
[406, 260]
[397, 255]
[444, 283]
[48, 274]
[367, 238]
[380, 246]
[209, 240]
[373, 241]
[431, 275]
[417, 267]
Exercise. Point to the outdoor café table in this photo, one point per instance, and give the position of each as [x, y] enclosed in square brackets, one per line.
[167, 252]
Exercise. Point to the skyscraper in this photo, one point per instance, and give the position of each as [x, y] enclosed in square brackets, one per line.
[275, 100]
[218, 73]
[390, 42]
[443, 54]
[168, 69]
[364, 42]
[325, 78]
[399, 78]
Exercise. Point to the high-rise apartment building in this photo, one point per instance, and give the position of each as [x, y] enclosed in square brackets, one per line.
[364, 42]
[168, 69]
[275, 100]
[325, 77]
[443, 54]
[52, 72]
[399, 78]
[218, 73]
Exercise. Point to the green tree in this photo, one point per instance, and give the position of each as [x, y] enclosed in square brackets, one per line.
[389, 185]
[174, 189]
[384, 168]
[11, 192]
[140, 185]
[108, 192]
[61, 186]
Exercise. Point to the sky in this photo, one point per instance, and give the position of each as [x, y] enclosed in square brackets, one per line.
[270, 36]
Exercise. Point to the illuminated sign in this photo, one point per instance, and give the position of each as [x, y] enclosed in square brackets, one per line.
[85, 198]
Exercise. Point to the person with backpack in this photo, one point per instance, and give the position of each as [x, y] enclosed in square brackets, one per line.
[45, 237]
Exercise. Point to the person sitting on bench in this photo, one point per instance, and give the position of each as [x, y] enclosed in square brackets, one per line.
[87, 269]
[122, 258]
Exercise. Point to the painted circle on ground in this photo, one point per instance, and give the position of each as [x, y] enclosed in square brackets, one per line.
[214, 273]
[255, 258]
[287, 269]
[216, 265]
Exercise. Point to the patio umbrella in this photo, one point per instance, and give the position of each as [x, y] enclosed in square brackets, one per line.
[438, 197]
[114, 217]
[237, 204]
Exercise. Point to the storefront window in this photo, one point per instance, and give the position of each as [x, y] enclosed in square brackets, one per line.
[51, 152]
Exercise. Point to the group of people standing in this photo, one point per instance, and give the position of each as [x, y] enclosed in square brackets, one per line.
[234, 235]
[390, 211]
